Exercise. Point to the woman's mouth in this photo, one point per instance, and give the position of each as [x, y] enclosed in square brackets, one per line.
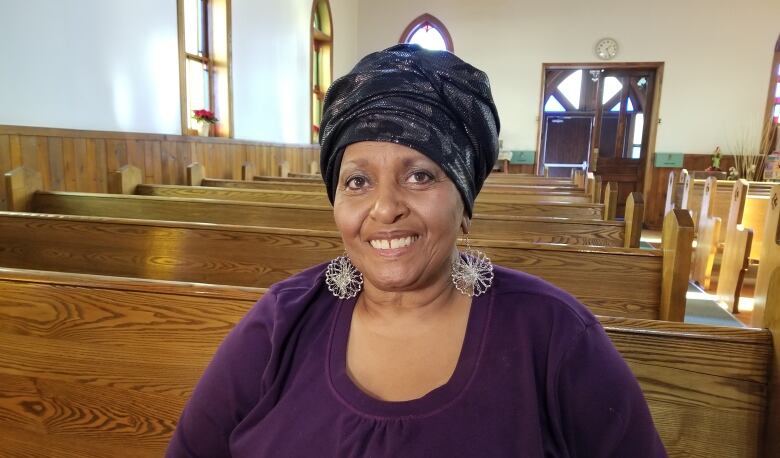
[393, 244]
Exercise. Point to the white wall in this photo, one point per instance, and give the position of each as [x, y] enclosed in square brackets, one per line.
[271, 70]
[271, 41]
[717, 54]
[345, 41]
[90, 64]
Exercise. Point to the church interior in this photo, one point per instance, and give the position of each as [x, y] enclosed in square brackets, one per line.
[161, 171]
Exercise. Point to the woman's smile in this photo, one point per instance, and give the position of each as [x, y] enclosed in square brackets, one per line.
[399, 216]
[392, 246]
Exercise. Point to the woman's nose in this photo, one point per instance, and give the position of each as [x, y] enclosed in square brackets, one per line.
[389, 204]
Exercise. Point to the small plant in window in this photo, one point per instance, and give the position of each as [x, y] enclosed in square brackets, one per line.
[204, 116]
[205, 119]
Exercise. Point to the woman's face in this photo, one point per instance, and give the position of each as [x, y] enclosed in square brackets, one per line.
[399, 215]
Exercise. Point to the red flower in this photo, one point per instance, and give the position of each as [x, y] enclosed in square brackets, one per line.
[204, 116]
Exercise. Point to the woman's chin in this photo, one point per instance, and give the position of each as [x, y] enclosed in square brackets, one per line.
[394, 280]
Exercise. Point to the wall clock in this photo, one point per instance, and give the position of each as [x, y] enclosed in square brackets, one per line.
[606, 48]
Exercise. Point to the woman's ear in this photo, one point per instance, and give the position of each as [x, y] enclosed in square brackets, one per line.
[465, 223]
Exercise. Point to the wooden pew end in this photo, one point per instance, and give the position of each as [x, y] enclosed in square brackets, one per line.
[248, 171]
[20, 186]
[125, 180]
[196, 173]
[677, 241]
[635, 214]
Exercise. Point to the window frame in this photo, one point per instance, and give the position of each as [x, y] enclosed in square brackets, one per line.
[217, 60]
[319, 40]
[419, 22]
[774, 79]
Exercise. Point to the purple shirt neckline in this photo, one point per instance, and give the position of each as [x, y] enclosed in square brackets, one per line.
[438, 399]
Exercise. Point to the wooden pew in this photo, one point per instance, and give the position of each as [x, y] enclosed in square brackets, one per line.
[485, 204]
[500, 192]
[102, 367]
[708, 236]
[749, 212]
[736, 251]
[493, 227]
[721, 207]
[550, 209]
[260, 256]
[517, 181]
[677, 191]
[766, 311]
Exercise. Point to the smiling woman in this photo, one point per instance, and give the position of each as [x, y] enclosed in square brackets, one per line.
[397, 347]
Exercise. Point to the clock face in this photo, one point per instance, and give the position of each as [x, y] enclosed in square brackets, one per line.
[606, 48]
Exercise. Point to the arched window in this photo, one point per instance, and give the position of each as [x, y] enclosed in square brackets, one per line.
[428, 32]
[321, 61]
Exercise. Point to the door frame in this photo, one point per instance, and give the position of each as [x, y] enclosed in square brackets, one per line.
[646, 161]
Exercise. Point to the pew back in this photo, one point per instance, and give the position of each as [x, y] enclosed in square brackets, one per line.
[520, 228]
[101, 367]
[259, 257]
[482, 206]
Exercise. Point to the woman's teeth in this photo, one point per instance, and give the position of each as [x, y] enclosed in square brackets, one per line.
[393, 243]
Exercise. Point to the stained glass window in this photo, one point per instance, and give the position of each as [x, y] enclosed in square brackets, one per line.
[428, 32]
[429, 37]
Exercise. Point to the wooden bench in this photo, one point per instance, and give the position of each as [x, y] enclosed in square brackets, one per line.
[102, 367]
[494, 227]
[736, 250]
[766, 311]
[721, 205]
[746, 210]
[501, 192]
[242, 190]
[259, 257]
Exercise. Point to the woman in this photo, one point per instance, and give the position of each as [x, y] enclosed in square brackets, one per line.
[404, 346]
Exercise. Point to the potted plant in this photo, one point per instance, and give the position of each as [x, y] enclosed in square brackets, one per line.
[205, 119]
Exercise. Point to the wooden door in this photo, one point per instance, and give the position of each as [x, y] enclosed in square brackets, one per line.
[567, 143]
[620, 139]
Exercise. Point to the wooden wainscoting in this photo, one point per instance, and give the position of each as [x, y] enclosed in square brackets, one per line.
[80, 160]
[654, 201]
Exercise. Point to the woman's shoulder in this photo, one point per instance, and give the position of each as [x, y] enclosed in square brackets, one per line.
[290, 298]
[530, 296]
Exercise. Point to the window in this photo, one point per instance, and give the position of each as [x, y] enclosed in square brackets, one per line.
[321, 61]
[428, 32]
[204, 63]
[773, 104]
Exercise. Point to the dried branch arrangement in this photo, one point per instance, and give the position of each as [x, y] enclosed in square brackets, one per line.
[750, 151]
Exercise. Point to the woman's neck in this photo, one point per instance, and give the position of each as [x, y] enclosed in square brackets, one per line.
[430, 302]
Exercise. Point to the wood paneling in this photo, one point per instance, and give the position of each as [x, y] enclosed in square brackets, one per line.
[659, 178]
[78, 160]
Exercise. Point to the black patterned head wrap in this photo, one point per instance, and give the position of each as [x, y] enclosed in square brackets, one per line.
[430, 101]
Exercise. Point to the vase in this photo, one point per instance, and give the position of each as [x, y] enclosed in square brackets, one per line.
[203, 129]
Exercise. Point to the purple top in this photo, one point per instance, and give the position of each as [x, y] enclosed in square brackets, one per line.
[537, 376]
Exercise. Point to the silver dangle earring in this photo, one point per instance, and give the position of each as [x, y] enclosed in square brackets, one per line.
[472, 271]
[342, 278]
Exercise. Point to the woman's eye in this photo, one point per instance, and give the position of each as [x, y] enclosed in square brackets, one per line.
[356, 182]
[420, 177]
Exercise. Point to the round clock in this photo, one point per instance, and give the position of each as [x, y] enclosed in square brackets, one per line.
[606, 48]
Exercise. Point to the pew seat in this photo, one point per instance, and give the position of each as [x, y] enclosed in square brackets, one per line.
[102, 366]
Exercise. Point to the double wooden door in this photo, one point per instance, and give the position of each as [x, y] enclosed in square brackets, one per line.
[598, 119]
